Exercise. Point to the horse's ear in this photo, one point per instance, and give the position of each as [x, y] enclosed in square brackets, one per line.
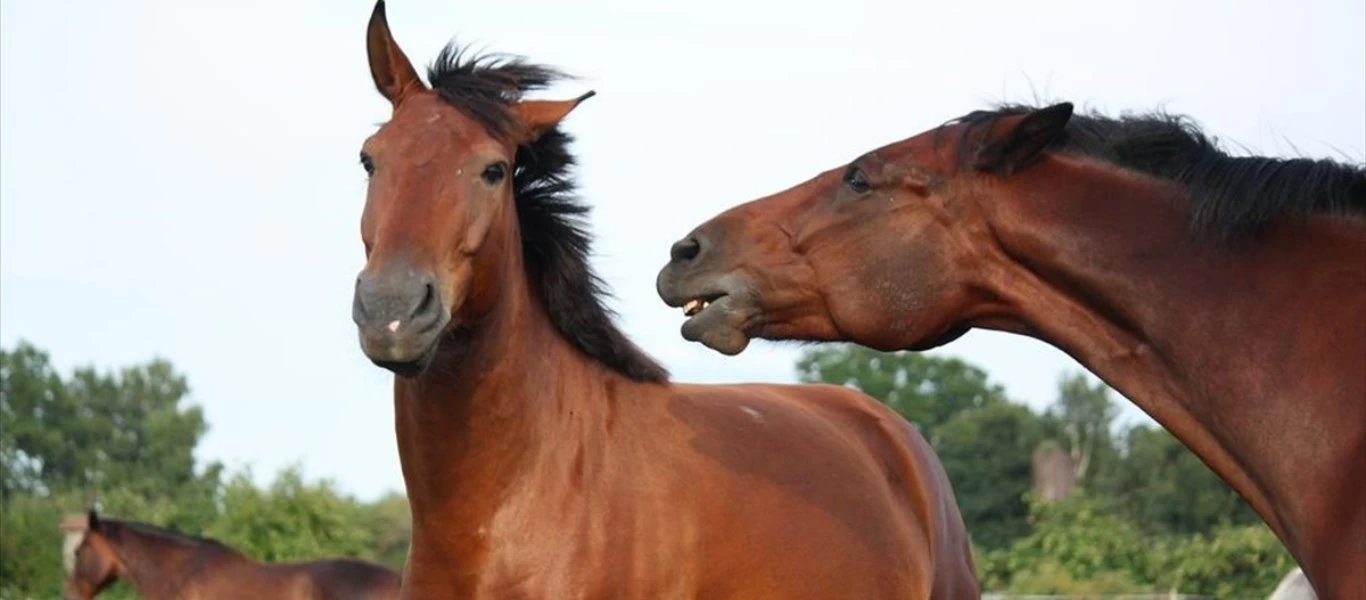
[92, 521]
[394, 76]
[538, 116]
[1017, 141]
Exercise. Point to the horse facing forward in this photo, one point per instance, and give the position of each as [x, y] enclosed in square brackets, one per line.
[544, 455]
[164, 565]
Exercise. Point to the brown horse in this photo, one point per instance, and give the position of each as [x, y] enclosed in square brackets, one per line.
[1226, 296]
[163, 565]
[545, 456]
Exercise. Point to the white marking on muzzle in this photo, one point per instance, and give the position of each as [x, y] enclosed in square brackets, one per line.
[394, 326]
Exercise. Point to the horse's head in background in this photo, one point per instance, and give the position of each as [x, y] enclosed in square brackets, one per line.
[97, 566]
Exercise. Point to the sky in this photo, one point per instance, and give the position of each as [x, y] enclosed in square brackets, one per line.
[178, 179]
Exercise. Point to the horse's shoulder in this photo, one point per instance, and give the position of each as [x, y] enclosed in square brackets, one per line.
[841, 409]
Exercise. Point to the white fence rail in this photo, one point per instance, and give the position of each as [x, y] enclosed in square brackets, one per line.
[1168, 596]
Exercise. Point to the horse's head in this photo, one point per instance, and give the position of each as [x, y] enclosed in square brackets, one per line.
[440, 224]
[811, 262]
[97, 566]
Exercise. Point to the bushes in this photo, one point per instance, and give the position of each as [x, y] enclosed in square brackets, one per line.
[30, 548]
[289, 520]
[1077, 547]
[1233, 562]
[131, 433]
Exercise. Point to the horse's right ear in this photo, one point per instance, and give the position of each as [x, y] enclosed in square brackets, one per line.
[1016, 141]
[92, 521]
[394, 76]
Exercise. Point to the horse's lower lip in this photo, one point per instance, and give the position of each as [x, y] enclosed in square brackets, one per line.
[411, 368]
[721, 325]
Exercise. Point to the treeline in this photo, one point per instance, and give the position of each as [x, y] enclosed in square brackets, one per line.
[129, 437]
[1144, 514]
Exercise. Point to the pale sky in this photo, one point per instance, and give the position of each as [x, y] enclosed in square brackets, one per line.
[179, 178]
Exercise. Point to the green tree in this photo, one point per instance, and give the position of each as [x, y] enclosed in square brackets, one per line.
[1231, 562]
[1083, 538]
[291, 520]
[30, 547]
[32, 398]
[1078, 546]
[927, 390]
[131, 429]
[987, 454]
[1161, 485]
[391, 529]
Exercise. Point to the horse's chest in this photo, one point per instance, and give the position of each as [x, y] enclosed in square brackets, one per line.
[582, 555]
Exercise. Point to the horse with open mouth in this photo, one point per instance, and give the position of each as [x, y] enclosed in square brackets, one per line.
[1224, 295]
[544, 455]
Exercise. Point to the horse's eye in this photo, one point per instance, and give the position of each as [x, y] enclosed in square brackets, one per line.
[856, 180]
[494, 173]
[367, 164]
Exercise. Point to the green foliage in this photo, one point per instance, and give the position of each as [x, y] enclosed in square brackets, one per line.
[390, 529]
[987, 455]
[31, 544]
[1164, 488]
[290, 521]
[1076, 547]
[1232, 562]
[129, 429]
[1050, 577]
[30, 547]
[131, 437]
[927, 390]
[1082, 539]
[1149, 514]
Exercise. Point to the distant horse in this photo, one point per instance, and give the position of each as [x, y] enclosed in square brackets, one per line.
[164, 565]
[1226, 296]
[545, 456]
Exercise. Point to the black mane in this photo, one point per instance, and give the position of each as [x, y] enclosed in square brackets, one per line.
[555, 238]
[114, 528]
[1230, 195]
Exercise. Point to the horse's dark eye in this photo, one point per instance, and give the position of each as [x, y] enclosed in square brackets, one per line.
[494, 173]
[367, 164]
[856, 180]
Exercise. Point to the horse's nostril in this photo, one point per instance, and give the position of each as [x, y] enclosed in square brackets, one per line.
[428, 300]
[685, 249]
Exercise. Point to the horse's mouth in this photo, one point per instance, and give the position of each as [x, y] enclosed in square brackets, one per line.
[719, 322]
[410, 369]
[695, 306]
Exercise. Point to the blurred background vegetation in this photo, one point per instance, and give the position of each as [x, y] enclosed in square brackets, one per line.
[1136, 513]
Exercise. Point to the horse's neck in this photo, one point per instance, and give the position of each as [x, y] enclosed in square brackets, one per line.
[152, 563]
[490, 410]
[1190, 330]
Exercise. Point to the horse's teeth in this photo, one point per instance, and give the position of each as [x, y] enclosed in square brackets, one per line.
[692, 307]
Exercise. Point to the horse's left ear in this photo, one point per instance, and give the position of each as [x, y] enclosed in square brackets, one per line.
[394, 75]
[538, 116]
[1017, 141]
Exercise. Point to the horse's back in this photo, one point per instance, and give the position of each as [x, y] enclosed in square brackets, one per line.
[851, 456]
[351, 579]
